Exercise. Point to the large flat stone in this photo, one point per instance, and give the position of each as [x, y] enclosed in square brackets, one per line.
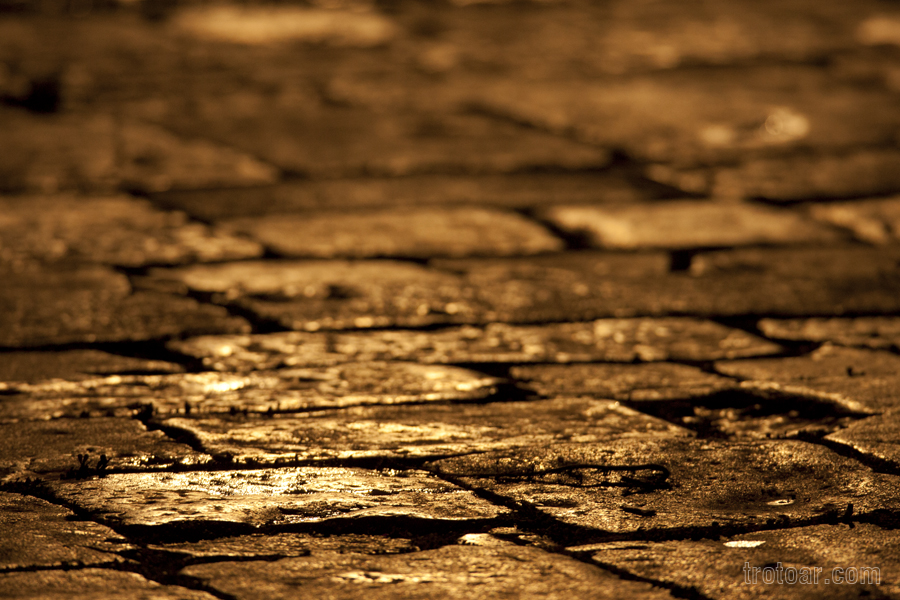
[520, 190]
[608, 340]
[38, 366]
[859, 379]
[288, 544]
[95, 304]
[272, 496]
[831, 175]
[645, 382]
[418, 431]
[868, 332]
[286, 390]
[492, 569]
[693, 118]
[115, 230]
[410, 232]
[91, 584]
[52, 448]
[873, 221]
[39, 534]
[632, 486]
[687, 224]
[724, 568]
[877, 438]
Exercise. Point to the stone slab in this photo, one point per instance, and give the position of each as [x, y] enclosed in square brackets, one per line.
[288, 544]
[521, 190]
[53, 448]
[409, 232]
[668, 484]
[716, 568]
[491, 570]
[691, 118]
[873, 221]
[115, 230]
[91, 584]
[272, 496]
[639, 383]
[39, 534]
[94, 304]
[686, 224]
[880, 333]
[876, 438]
[859, 379]
[36, 366]
[285, 390]
[399, 432]
[607, 340]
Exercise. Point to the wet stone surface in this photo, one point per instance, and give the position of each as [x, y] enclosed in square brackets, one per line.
[399, 432]
[92, 584]
[632, 486]
[289, 544]
[716, 568]
[113, 230]
[609, 340]
[36, 366]
[75, 448]
[91, 304]
[273, 496]
[286, 390]
[416, 233]
[686, 224]
[492, 570]
[868, 332]
[39, 534]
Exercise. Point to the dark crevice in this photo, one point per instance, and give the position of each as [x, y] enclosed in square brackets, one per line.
[879, 465]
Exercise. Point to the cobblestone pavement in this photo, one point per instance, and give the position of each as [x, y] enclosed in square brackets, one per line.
[463, 299]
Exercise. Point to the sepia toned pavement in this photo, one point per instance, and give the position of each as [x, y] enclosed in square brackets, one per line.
[462, 299]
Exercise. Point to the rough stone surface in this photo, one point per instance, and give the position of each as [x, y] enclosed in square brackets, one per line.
[91, 584]
[32, 367]
[415, 232]
[54, 447]
[493, 570]
[686, 224]
[876, 438]
[289, 544]
[39, 534]
[273, 496]
[522, 190]
[609, 340]
[869, 332]
[630, 486]
[859, 379]
[91, 304]
[417, 432]
[286, 390]
[715, 568]
[114, 230]
[873, 221]
[652, 381]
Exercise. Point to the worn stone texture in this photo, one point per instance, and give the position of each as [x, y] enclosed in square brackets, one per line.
[877, 438]
[716, 568]
[392, 432]
[273, 496]
[873, 221]
[492, 570]
[39, 534]
[410, 232]
[608, 340]
[869, 332]
[644, 382]
[860, 379]
[686, 224]
[35, 366]
[285, 390]
[633, 486]
[517, 191]
[115, 230]
[53, 448]
[91, 584]
[94, 304]
[688, 119]
[288, 544]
